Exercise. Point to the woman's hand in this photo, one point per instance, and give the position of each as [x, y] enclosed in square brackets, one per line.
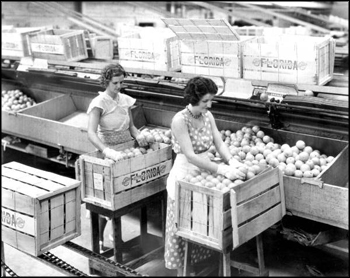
[230, 172]
[235, 163]
[141, 140]
[112, 154]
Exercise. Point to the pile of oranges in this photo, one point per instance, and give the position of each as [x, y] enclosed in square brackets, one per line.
[251, 146]
[15, 100]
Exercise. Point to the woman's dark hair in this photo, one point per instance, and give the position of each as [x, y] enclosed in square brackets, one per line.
[109, 71]
[197, 87]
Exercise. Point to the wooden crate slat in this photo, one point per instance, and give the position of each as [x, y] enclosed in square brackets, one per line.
[37, 216]
[249, 209]
[21, 187]
[253, 187]
[259, 224]
[200, 209]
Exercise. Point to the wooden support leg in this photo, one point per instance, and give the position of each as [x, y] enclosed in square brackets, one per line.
[163, 213]
[94, 220]
[143, 225]
[117, 237]
[187, 258]
[261, 260]
[3, 272]
[226, 264]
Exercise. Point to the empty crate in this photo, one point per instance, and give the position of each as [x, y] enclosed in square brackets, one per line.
[57, 44]
[40, 210]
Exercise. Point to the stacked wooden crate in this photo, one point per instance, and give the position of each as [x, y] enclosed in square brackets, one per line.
[289, 59]
[154, 49]
[15, 41]
[58, 44]
[40, 210]
[208, 47]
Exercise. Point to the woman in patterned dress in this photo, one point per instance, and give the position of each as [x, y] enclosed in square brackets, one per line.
[194, 131]
[110, 120]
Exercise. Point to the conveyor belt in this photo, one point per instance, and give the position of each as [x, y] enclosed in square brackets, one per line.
[8, 269]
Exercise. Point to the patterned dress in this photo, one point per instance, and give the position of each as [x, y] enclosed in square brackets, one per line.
[202, 139]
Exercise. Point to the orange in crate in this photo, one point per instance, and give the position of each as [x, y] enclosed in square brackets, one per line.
[40, 210]
[221, 220]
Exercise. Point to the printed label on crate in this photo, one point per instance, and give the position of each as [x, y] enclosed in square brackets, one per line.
[210, 61]
[98, 181]
[142, 55]
[146, 175]
[17, 221]
[47, 48]
[11, 45]
[279, 64]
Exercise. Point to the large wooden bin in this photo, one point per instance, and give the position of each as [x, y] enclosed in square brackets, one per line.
[208, 47]
[59, 121]
[220, 220]
[324, 199]
[289, 59]
[40, 210]
[57, 44]
[153, 50]
[114, 185]
[15, 41]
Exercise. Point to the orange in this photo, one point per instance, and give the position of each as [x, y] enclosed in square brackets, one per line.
[305, 167]
[298, 173]
[256, 128]
[300, 144]
[250, 175]
[304, 156]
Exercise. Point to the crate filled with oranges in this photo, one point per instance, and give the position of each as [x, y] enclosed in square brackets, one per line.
[310, 165]
[140, 172]
[220, 213]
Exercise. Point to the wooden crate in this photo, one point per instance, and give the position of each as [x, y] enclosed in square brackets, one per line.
[208, 47]
[146, 51]
[59, 45]
[15, 41]
[58, 121]
[102, 47]
[40, 210]
[289, 59]
[324, 199]
[220, 220]
[113, 185]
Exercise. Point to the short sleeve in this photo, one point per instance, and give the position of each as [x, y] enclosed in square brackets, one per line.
[126, 101]
[96, 102]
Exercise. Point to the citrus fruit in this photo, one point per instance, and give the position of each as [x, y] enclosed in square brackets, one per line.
[300, 144]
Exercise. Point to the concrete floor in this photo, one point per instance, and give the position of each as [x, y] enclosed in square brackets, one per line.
[282, 257]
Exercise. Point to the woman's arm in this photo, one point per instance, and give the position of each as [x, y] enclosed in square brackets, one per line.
[179, 128]
[135, 133]
[94, 119]
[220, 145]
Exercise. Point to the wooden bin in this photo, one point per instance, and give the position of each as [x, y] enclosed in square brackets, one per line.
[289, 59]
[102, 47]
[113, 185]
[153, 51]
[15, 41]
[219, 219]
[40, 210]
[57, 44]
[208, 47]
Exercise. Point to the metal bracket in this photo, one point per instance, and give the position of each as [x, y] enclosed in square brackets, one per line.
[64, 155]
[312, 181]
